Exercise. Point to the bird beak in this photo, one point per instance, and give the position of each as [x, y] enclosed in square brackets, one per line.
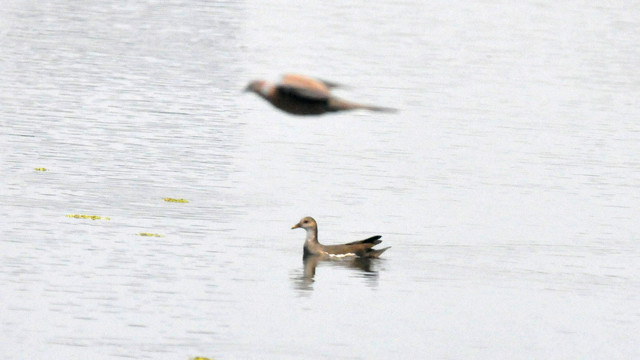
[295, 226]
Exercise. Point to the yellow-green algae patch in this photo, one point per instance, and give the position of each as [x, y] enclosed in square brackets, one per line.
[149, 234]
[40, 169]
[92, 217]
[200, 358]
[175, 200]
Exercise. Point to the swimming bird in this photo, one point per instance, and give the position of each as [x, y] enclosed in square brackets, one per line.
[362, 248]
[303, 95]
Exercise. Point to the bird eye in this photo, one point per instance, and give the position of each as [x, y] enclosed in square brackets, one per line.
[305, 222]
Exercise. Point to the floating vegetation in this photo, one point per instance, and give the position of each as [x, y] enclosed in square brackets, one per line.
[150, 234]
[200, 358]
[92, 217]
[41, 169]
[175, 200]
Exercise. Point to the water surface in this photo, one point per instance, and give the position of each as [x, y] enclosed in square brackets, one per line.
[506, 186]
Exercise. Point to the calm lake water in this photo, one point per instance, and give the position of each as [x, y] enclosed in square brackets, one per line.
[508, 185]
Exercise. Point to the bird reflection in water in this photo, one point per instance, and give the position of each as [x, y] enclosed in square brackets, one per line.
[364, 267]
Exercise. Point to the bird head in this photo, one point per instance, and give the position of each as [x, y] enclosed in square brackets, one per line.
[306, 223]
[256, 86]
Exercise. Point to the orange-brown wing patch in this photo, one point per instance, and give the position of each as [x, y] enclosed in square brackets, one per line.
[305, 82]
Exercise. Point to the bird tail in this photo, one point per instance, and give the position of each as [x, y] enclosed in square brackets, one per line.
[379, 108]
[375, 253]
[337, 104]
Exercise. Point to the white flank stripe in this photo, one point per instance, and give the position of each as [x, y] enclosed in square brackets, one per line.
[342, 255]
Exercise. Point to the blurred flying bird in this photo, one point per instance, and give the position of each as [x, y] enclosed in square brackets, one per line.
[302, 95]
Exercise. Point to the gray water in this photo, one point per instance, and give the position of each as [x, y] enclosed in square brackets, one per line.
[507, 185]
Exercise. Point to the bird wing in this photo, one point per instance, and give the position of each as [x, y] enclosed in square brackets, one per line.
[372, 240]
[303, 93]
[307, 82]
[357, 247]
